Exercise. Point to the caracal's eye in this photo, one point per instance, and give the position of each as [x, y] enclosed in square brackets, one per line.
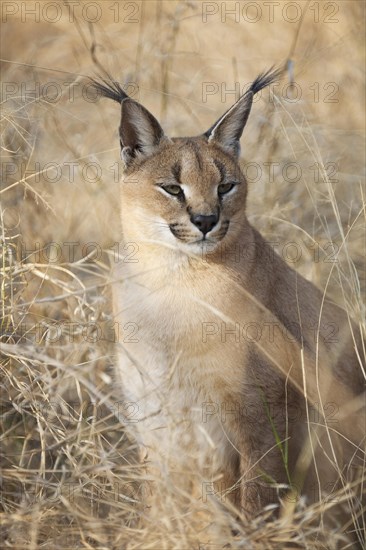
[173, 189]
[224, 188]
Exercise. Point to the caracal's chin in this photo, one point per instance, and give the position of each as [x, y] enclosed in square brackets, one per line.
[200, 248]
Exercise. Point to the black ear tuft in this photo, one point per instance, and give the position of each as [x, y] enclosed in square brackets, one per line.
[109, 88]
[140, 132]
[265, 79]
[228, 129]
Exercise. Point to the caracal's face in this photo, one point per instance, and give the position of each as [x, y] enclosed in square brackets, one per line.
[189, 196]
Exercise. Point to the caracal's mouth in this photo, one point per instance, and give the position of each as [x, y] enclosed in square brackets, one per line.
[211, 238]
[204, 246]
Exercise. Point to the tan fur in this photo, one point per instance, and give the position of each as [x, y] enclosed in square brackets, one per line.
[181, 368]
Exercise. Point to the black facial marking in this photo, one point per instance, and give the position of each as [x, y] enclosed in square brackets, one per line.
[221, 168]
[197, 154]
[176, 171]
[199, 160]
[224, 229]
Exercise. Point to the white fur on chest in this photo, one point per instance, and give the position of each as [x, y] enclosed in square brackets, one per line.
[173, 371]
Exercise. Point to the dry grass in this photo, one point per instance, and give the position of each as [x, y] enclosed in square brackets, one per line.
[70, 478]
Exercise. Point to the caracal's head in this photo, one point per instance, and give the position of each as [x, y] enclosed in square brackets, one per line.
[187, 194]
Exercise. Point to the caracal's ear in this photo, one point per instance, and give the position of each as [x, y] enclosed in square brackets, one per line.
[227, 131]
[140, 132]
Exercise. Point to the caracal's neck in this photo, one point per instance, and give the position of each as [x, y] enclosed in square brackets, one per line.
[153, 260]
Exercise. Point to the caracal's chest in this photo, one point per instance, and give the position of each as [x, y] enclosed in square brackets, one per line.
[174, 309]
[185, 360]
[186, 329]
